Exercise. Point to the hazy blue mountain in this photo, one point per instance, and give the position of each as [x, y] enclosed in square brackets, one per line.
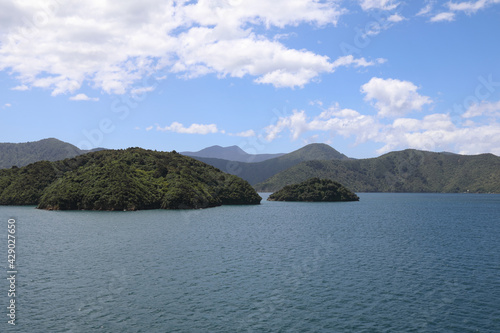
[232, 153]
[402, 171]
[258, 172]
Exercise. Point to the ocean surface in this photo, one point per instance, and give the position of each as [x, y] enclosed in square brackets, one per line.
[388, 263]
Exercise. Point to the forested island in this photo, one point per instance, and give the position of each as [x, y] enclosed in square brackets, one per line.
[314, 189]
[131, 179]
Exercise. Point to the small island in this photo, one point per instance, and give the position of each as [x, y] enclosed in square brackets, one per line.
[117, 180]
[313, 190]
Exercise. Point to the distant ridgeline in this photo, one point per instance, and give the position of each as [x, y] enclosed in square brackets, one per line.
[402, 171]
[130, 179]
[314, 190]
[21, 154]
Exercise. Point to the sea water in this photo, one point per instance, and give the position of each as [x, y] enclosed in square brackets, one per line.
[388, 263]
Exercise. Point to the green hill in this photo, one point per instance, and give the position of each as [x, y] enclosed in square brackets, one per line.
[403, 171]
[314, 189]
[129, 179]
[258, 172]
[21, 154]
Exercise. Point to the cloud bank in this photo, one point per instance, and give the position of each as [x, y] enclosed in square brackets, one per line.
[112, 45]
[393, 99]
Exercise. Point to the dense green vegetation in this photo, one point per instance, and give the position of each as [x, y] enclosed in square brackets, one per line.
[21, 154]
[258, 172]
[123, 180]
[403, 171]
[314, 189]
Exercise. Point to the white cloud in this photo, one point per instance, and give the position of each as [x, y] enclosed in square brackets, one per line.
[192, 129]
[149, 128]
[468, 6]
[270, 61]
[245, 134]
[361, 62]
[393, 97]
[20, 88]
[344, 122]
[295, 123]
[437, 132]
[395, 18]
[142, 90]
[111, 45]
[434, 132]
[83, 97]
[491, 109]
[7, 105]
[425, 10]
[446, 16]
[378, 4]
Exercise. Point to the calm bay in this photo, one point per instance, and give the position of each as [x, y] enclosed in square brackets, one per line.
[388, 263]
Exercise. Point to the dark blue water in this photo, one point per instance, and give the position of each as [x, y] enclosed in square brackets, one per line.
[389, 263]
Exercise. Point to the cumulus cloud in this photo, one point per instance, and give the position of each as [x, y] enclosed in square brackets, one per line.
[393, 97]
[434, 132]
[378, 4]
[177, 127]
[83, 97]
[344, 122]
[113, 45]
[437, 132]
[491, 109]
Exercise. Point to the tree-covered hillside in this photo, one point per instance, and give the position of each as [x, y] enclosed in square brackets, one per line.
[123, 180]
[403, 171]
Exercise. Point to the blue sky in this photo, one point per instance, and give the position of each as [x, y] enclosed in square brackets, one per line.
[366, 76]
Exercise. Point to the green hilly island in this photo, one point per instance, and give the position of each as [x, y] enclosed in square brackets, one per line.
[130, 179]
[314, 190]
[402, 171]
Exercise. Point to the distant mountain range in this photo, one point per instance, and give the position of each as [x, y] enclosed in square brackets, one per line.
[232, 153]
[400, 171]
[258, 172]
[21, 154]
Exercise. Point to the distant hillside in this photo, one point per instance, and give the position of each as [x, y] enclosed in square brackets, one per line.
[403, 171]
[258, 172]
[232, 153]
[129, 179]
[21, 154]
